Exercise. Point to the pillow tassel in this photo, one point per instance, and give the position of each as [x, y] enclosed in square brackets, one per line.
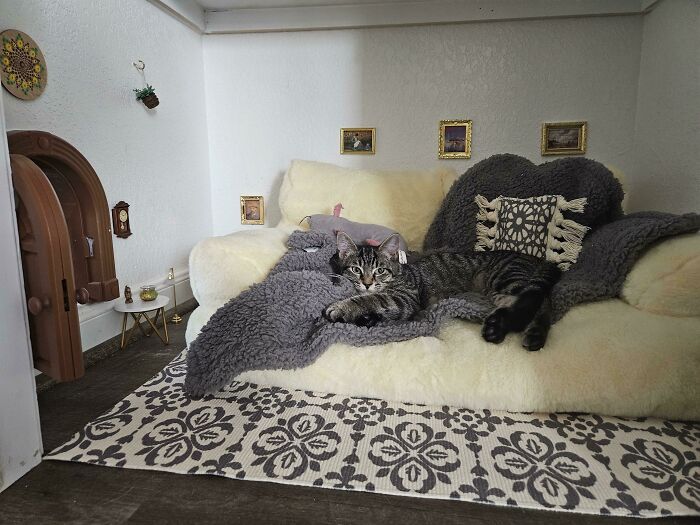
[576, 237]
[562, 259]
[483, 215]
[568, 225]
[487, 212]
[568, 231]
[484, 204]
[574, 205]
[484, 237]
[567, 256]
[570, 251]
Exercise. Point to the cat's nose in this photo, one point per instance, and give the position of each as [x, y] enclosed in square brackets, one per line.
[367, 285]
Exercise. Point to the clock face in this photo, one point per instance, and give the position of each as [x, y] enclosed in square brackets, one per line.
[123, 215]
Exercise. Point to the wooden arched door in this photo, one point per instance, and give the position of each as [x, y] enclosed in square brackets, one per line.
[47, 265]
[85, 208]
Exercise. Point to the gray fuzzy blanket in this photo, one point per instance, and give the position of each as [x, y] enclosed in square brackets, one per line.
[277, 323]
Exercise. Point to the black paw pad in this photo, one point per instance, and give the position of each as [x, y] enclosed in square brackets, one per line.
[494, 330]
[534, 339]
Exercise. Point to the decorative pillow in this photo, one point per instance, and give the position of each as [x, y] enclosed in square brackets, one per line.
[372, 234]
[534, 226]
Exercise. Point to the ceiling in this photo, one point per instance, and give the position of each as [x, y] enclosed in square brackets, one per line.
[263, 16]
[216, 5]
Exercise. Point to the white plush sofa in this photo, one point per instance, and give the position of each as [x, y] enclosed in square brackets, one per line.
[634, 356]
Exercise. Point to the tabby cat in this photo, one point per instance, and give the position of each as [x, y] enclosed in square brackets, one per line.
[519, 286]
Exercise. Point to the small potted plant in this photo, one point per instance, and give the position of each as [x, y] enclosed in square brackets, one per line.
[148, 96]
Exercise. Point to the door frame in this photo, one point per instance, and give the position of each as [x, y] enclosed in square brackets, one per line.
[20, 430]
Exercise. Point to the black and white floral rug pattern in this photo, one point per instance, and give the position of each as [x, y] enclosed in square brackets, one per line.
[566, 462]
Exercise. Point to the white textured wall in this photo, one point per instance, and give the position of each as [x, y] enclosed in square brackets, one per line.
[275, 97]
[157, 161]
[667, 174]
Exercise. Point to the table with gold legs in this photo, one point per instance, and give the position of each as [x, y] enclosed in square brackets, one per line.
[139, 309]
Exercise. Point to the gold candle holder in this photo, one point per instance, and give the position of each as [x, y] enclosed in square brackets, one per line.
[175, 319]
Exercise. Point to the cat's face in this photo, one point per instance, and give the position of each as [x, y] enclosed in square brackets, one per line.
[369, 269]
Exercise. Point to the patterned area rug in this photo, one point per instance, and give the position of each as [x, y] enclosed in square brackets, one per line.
[566, 462]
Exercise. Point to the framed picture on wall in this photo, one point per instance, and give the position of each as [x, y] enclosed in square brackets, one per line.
[358, 140]
[252, 209]
[563, 138]
[455, 139]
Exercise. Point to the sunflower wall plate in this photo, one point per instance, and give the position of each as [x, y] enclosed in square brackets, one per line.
[23, 65]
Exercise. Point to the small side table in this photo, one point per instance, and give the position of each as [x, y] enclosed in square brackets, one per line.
[139, 309]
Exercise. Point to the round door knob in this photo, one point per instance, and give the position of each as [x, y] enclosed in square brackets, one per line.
[36, 305]
[82, 295]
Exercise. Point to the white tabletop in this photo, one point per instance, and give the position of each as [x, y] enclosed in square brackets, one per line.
[141, 306]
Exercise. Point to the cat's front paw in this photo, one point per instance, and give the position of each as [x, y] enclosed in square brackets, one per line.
[368, 320]
[334, 313]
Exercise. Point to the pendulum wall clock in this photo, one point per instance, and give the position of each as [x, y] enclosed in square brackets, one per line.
[120, 220]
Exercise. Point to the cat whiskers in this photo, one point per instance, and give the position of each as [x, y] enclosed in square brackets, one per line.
[334, 276]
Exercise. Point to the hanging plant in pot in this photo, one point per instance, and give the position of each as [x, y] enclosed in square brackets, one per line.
[148, 96]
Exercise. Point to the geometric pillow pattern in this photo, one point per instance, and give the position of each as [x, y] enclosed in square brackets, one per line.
[535, 226]
[522, 224]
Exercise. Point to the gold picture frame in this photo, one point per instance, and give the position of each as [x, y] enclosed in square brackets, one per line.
[252, 209]
[564, 138]
[358, 141]
[455, 139]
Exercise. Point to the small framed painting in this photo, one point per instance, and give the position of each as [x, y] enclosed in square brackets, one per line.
[358, 140]
[563, 138]
[252, 209]
[455, 139]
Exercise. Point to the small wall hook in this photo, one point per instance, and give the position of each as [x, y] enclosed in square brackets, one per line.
[139, 65]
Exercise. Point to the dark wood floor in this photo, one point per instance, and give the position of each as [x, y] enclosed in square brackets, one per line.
[59, 492]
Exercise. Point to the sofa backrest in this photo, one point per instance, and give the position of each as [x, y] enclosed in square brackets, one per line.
[406, 201]
[403, 200]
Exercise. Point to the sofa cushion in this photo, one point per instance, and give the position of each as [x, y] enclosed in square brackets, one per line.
[405, 201]
[605, 358]
[222, 267]
[666, 279]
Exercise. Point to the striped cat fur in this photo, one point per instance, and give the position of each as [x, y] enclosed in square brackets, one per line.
[519, 286]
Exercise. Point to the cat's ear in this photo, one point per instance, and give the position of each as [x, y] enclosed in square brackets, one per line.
[345, 245]
[390, 246]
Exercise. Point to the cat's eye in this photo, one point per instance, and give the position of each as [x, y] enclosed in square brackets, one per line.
[380, 271]
[356, 270]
